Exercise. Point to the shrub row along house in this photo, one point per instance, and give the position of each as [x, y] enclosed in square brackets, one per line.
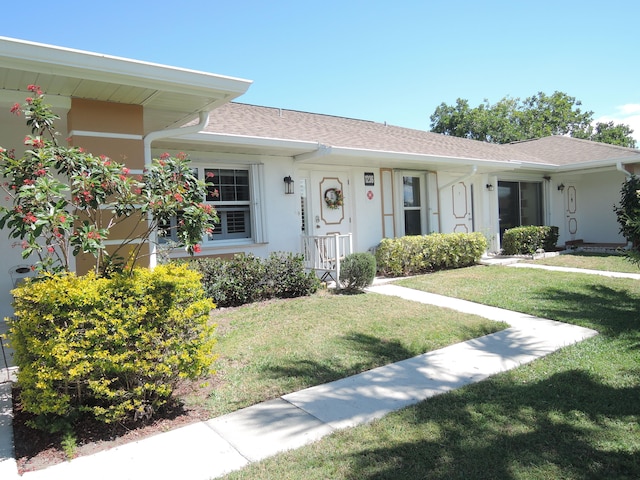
[277, 176]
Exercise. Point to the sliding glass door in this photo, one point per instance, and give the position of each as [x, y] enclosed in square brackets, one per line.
[520, 203]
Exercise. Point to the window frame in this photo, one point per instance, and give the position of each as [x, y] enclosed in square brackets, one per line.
[231, 197]
[252, 208]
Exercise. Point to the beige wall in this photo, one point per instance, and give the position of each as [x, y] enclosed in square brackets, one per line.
[110, 121]
[114, 130]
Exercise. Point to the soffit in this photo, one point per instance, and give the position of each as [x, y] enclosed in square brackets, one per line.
[170, 96]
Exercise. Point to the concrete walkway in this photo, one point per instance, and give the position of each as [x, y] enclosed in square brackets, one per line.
[213, 448]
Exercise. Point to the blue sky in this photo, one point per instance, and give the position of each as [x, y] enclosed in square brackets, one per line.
[374, 60]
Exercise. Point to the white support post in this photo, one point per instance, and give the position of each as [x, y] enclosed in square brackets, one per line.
[336, 238]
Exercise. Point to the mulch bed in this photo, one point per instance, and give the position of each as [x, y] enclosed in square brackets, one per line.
[36, 449]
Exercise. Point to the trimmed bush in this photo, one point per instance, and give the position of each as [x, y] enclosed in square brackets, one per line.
[527, 240]
[231, 283]
[416, 254]
[247, 278]
[113, 348]
[357, 271]
[285, 277]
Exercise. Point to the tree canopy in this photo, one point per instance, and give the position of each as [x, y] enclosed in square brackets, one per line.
[512, 120]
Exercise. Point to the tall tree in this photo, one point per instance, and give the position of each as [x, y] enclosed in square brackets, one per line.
[511, 119]
[619, 134]
[557, 114]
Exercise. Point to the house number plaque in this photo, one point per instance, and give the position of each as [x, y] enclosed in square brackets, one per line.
[369, 179]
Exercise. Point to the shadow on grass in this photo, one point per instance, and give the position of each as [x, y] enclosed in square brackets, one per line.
[371, 352]
[567, 426]
[572, 424]
[610, 311]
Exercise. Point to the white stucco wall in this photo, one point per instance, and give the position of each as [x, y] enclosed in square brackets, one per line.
[597, 194]
[281, 213]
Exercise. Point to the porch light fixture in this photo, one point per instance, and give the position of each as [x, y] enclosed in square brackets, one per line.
[288, 185]
[489, 187]
[561, 187]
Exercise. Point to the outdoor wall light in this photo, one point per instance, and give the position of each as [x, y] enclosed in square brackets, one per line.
[288, 185]
[489, 187]
[561, 187]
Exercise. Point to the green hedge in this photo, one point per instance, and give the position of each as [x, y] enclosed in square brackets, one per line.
[247, 278]
[416, 254]
[357, 271]
[113, 348]
[528, 240]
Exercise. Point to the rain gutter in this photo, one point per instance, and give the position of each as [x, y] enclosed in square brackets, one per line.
[173, 132]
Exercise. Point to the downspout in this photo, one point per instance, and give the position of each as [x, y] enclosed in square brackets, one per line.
[173, 132]
[620, 168]
[203, 121]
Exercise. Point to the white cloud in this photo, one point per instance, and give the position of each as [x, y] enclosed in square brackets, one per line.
[629, 109]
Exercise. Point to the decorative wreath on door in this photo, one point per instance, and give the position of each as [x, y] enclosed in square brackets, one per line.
[333, 198]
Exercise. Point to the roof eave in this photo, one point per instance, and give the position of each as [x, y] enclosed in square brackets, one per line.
[391, 156]
[251, 143]
[610, 162]
[50, 59]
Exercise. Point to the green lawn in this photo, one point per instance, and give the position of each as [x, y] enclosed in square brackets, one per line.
[271, 348]
[572, 415]
[590, 260]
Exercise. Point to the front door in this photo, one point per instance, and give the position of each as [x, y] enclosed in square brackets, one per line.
[414, 203]
[462, 198]
[329, 196]
[571, 211]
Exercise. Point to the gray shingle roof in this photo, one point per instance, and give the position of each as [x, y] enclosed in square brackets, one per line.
[275, 123]
[561, 150]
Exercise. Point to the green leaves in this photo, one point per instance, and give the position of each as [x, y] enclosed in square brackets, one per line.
[528, 239]
[416, 254]
[67, 201]
[512, 119]
[109, 346]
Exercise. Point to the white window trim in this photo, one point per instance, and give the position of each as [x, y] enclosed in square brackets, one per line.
[256, 204]
[258, 220]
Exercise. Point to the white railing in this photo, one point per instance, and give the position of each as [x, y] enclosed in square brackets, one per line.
[323, 253]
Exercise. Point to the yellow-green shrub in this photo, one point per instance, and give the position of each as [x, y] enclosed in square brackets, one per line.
[415, 254]
[112, 347]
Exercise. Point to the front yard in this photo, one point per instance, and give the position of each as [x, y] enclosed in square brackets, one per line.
[275, 347]
[573, 415]
[272, 348]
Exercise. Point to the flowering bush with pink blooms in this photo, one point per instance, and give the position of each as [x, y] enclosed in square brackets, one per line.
[66, 201]
[75, 353]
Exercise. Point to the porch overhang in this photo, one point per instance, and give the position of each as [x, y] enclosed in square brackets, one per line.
[329, 155]
[242, 144]
[171, 96]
